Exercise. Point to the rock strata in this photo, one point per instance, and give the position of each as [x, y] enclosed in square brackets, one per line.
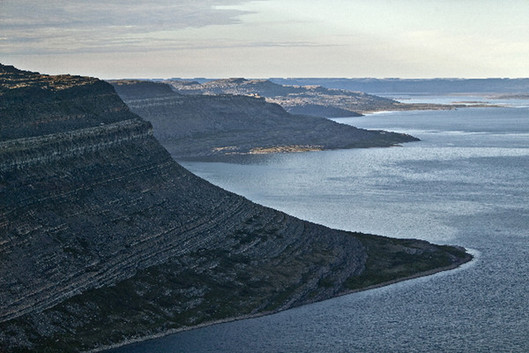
[213, 126]
[104, 238]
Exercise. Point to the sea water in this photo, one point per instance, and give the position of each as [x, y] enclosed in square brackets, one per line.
[465, 183]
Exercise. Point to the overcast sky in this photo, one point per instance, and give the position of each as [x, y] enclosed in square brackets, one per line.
[269, 38]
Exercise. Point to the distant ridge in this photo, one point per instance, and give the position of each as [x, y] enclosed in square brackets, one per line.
[416, 86]
[308, 97]
[212, 125]
[307, 100]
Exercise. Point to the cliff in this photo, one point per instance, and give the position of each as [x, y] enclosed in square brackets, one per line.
[105, 238]
[212, 126]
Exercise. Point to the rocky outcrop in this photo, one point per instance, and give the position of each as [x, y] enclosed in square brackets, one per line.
[36, 105]
[24, 152]
[105, 238]
[212, 126]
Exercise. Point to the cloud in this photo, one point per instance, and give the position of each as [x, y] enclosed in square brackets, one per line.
[407, 38]
[54, 27]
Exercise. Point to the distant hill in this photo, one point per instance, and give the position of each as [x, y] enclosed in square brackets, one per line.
[313, 100]
[130, 89]
[317, 97]
[415, 86]
[104, 238]
[213, 125]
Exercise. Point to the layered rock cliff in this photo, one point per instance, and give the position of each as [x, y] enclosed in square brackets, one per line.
[105, 238]
[198, 126]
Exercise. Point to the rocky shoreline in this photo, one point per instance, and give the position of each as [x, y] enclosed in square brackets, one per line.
[245, 317]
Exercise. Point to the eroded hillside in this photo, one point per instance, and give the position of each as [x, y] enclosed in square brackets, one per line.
[198, 126]
[105, 238]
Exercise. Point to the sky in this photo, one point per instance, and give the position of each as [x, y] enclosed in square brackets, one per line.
[267, 38]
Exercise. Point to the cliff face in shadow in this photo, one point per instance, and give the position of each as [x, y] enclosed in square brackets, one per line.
[198, 126]
[105, 238]
[35, 105]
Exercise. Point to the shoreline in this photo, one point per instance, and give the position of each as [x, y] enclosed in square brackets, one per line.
[466, 260]
[431, 107]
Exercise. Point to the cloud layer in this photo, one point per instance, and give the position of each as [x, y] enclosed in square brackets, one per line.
[78, 26]
[263, 38]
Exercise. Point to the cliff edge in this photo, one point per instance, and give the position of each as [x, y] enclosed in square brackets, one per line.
[104, 238]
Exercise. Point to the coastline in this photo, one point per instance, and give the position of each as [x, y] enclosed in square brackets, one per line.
[408, 107]
[469, 258]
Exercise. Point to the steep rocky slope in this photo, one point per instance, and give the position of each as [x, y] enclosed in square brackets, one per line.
[307, 99]
[104, 238]
[192, 126]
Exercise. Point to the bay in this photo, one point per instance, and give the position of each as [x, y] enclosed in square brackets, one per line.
[465, 183]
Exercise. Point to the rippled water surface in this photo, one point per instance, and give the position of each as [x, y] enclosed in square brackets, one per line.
[465, 183]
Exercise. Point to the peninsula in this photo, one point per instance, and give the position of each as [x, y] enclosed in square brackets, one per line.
[212, 126]
[310, 99]
[105, 239]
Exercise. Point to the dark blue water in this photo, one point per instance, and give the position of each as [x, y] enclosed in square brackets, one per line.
[465, 183]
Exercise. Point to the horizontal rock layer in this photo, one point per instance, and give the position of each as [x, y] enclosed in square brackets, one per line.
[197, 126]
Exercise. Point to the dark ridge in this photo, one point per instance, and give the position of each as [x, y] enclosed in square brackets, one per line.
[32, 104]
[322, 110]
[130, 89]
[206, 126]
